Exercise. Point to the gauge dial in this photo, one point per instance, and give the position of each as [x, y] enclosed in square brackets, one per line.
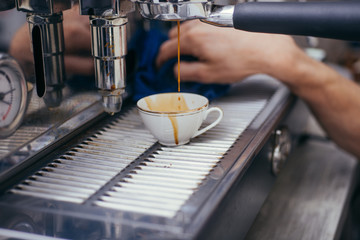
[13, 96]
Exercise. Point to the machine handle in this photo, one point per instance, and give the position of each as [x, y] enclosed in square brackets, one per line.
[7, 4]
[338, 20]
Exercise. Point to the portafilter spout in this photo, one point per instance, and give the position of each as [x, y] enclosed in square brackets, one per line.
[338, 20]
[108, 21]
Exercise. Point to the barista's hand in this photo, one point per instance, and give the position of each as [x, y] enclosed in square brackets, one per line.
[77, 55]
[226, 55]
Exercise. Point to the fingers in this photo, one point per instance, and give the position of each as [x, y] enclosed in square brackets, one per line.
[193, 71]
[184, 27]
[189, 45]
[167, 51]
[79, 65]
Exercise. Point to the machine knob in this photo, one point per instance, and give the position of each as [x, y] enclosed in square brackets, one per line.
[22, 223]
[280, 149]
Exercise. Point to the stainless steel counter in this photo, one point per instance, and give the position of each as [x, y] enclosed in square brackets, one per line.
[311, 197]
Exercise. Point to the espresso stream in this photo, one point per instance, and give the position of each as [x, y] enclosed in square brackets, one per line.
[178, 29]
[170, 102]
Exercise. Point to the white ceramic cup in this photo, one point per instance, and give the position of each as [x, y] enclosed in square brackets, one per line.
[175, 118]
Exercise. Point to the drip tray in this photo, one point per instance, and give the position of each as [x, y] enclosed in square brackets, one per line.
[159, 185]
[117, 180]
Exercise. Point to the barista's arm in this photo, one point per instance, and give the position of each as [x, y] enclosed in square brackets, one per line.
[227, 55]
[77, 55]
[333, 99]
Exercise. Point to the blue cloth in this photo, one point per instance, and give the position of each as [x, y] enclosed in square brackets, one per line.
[147, 79]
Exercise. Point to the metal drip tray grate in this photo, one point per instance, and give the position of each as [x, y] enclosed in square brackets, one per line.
[23, 135]
[159, 184]
[165, 180]
[84, 169]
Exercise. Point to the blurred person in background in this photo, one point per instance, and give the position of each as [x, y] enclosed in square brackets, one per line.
[77, 56]
[10, 22]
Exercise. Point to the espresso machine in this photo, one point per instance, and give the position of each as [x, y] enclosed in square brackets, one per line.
[108, 21]
[318, 19]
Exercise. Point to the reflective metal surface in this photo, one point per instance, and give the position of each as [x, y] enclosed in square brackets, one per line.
[48, 47]
[108, 21]
[91, 164]
[179, 10]
[42, 127]
[221, 16]
[13, 95]
[281, 149]
[106, 7]
[176, 172]
[207, 10]
[43, 7]
[109, 47]
[11, 234]
[116, 182]
[47, 40]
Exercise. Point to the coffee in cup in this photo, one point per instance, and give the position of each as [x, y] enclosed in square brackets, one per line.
[175, 118]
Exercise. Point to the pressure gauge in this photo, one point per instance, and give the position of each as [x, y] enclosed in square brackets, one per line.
[13, 95]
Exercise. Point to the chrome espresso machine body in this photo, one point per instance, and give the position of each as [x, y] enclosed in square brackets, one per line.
[75, 172]
[108, 21]
[108, 31]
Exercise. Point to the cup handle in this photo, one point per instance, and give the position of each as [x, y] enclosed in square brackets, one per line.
[213, 109]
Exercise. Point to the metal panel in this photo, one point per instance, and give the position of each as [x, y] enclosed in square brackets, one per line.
[91, 163]
[176, 172]
[131, 185]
